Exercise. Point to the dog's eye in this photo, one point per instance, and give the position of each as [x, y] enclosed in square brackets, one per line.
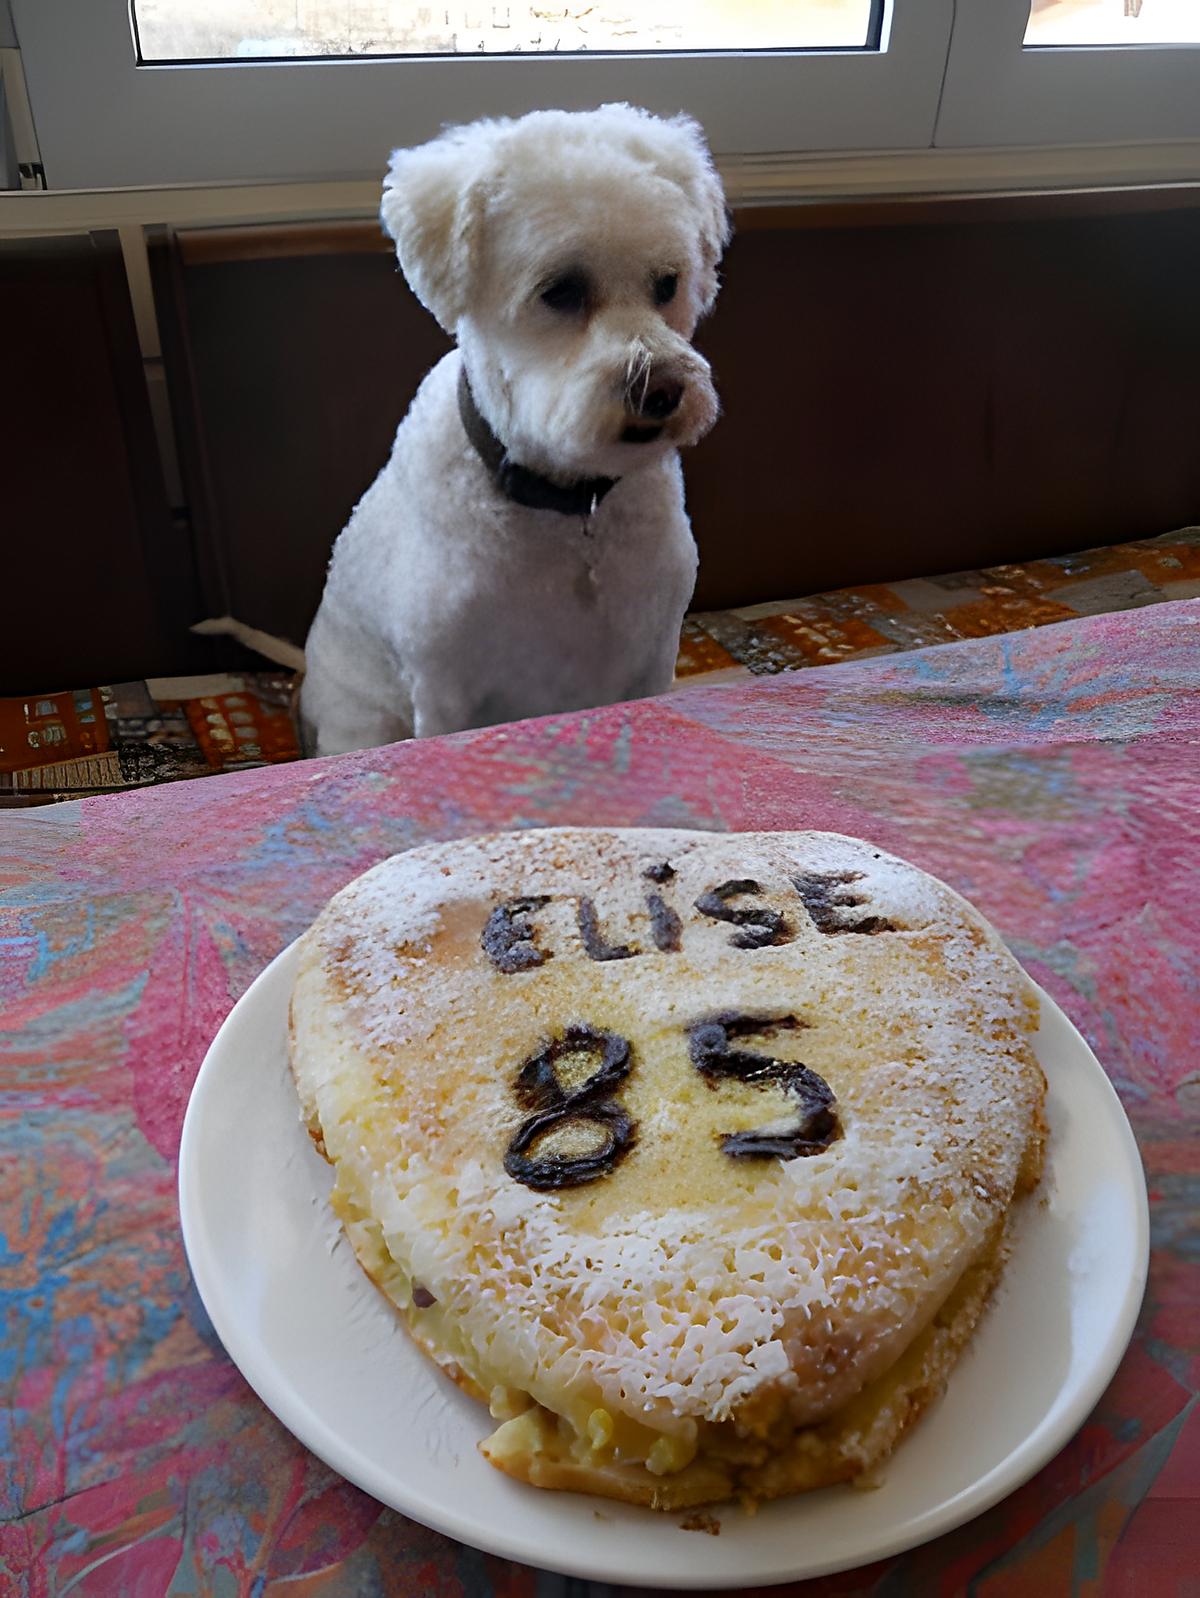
[664, 288]
[566, 293]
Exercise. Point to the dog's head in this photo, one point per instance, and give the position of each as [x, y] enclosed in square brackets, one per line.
[571, 254]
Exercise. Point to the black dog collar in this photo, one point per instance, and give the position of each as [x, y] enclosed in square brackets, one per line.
[518, 483]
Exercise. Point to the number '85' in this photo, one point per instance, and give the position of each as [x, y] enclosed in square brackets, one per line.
[577, 1129]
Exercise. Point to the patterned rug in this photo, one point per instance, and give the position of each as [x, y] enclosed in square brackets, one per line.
[880, 618]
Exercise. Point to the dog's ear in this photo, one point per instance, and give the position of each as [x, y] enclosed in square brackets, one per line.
[432, 205]
[696, 175]
[677, 149]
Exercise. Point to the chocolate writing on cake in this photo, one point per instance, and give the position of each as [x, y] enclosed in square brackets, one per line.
[594, 942]
[716, 1053]
[508, 938]
[579, 1131]
[828, 897]
[759, 925]
[829, 900]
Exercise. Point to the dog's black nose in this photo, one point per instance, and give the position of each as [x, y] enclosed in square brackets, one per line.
[661, 401]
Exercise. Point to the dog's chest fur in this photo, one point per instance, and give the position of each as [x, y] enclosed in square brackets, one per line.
[492, 611]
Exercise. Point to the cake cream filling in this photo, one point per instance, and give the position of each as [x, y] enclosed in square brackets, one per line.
[763, 1455]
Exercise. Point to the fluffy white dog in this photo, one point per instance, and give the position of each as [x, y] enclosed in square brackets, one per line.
[525, 550]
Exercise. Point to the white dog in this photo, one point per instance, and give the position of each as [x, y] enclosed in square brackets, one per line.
[525, 550]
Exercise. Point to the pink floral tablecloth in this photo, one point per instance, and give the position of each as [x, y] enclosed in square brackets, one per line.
[1051, 776]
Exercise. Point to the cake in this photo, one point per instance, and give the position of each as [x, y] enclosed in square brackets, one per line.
[691, 1155]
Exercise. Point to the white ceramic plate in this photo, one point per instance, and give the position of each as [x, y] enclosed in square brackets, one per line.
[325, 1352]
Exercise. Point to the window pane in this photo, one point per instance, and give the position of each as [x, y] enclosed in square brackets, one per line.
[1114, 22]
[200, 30]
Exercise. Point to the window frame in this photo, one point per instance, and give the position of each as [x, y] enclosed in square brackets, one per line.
[103, 121]
[1000, 92]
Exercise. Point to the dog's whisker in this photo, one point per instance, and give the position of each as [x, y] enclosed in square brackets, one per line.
[637, 371]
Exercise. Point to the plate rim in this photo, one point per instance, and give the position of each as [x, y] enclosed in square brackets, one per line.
[282, 1398]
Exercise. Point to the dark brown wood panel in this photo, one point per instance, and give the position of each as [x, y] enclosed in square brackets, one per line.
[95, 580]
[290, 373]
[919, 399]
[926, 210]
[907, 389]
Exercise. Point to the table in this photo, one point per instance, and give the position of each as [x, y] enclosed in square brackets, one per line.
[1051, 776]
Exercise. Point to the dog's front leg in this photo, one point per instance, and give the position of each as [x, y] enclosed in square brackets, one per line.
[432, 719]
[345, 735]
[352, 696]
[657, 675]
[336, 719]
[442, 703]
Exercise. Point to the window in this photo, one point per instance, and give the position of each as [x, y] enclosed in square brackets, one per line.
[279, 91]
[105, 119]
[198, 30]
[1053, 72]
[1113, 22]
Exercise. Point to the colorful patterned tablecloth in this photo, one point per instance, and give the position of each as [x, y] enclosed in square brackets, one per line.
[1052, 776]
